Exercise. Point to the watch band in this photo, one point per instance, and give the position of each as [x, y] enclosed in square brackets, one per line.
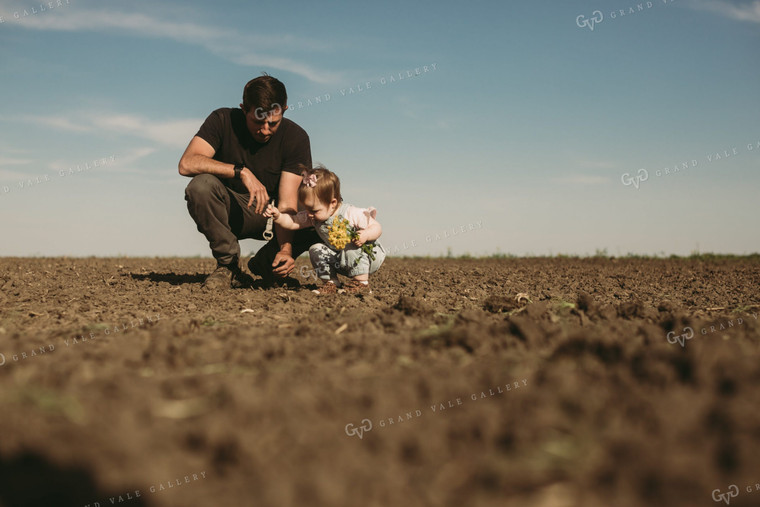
[238, 170]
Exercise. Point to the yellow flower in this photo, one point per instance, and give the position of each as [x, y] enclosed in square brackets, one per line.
[340, 234]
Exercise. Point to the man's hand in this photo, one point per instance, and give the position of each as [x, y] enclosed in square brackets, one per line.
[283, 264]
[256, 189]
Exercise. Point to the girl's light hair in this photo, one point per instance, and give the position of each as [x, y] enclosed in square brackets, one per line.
[327, 186]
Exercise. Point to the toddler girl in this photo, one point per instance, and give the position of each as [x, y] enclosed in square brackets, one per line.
[319, 194]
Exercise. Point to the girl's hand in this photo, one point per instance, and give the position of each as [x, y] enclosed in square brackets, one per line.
[359, 241]
[271, 211]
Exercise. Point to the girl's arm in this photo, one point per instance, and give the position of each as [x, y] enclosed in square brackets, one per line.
[284, 220]
[364, 217]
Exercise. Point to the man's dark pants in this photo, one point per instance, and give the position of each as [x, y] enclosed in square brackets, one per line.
[223, 216]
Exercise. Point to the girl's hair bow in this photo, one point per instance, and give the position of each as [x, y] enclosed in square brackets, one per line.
[309, 180]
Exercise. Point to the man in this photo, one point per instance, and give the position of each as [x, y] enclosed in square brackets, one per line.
[238, 160]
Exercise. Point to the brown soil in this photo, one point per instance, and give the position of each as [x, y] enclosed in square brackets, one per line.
[122, 377]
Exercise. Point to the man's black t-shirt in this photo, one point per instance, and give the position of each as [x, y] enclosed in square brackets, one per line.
[225, 130]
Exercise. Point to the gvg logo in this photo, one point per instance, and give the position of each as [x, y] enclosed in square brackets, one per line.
[688, 334]
[641, 175]
[351, 430]
[262, 115]
[733, 491]
[596, 17]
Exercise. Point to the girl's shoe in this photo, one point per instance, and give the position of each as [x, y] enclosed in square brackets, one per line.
[327, 288]
[356, 287]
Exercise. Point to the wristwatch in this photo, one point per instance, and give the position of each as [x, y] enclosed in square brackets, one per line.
[238, 170]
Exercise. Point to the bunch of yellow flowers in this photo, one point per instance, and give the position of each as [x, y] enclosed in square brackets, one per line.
[340, 234]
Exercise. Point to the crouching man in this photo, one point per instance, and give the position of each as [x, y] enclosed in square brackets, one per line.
[238, 161]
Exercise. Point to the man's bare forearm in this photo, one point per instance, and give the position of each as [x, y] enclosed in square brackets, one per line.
[285, 239]
[192, 165]
[285, 236]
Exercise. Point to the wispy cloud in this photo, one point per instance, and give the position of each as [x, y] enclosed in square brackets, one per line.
[135, 155]
[302, 69]
[56, 122]
[581, 179]
[7, 177]
[6, 161]
[741, 11]
[7, 174]
[13, 157]
[122, 163]
[128, 162]
[173, 133]
[226, 43]
[596, 164]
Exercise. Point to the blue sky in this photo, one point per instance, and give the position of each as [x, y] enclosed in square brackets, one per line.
[530, 131]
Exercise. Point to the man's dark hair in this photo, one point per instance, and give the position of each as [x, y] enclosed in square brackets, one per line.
[264, 93]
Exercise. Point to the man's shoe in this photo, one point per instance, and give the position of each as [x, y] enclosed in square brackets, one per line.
[240, 279]
[267, 278]
[227, 276]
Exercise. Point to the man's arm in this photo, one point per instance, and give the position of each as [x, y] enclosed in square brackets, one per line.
[198, 159]
[288, 203]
